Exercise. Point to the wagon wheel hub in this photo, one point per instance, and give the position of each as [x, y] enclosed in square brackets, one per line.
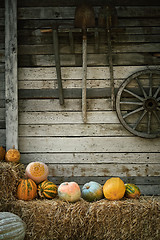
[150, 104]
[138, 103]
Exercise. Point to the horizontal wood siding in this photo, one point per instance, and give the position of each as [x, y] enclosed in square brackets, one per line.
[2, 77]
[56, 134]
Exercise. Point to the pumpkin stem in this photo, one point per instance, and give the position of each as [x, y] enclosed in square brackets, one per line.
[13, 146]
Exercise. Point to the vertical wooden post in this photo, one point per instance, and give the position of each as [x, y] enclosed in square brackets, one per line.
[11, 83]
[84, 79]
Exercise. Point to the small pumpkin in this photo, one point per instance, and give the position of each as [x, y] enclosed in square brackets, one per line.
[47, 189]
[69, 191]
[27, 189]
[2, 153]
[92, 191]
[132, 191]
[12, 155]
[114, 188]
[11, 226]
[37, 171]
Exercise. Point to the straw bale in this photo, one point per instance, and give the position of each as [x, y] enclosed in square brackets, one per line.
[10, 173]
[111, 220]
[2, 153]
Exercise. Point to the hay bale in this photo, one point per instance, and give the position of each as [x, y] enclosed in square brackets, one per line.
[10, 173]
[111, 220]
[2, 153]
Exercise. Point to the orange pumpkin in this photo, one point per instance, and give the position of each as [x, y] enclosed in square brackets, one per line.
[114, 189]
[12, 155]
[37, 171]
[27, 189]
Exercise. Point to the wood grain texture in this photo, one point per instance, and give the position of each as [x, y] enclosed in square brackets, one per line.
[88, 144]
[11, 87]
[92, 158]
[69, 12]
[54, 133]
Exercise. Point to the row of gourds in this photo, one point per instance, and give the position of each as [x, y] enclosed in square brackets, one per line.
[35, 183]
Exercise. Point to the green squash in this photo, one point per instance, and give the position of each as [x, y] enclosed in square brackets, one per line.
[92, 191]
[12, 226]
[132, 191]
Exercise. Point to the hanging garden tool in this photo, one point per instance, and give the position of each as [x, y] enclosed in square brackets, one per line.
[84, 18]
[54, 31]
[108, 19]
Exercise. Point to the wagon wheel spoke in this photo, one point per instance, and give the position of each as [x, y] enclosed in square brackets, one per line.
[133, 94]
[133, 112]
[132, 103]
[139, 119]
[154, 112]
[156, 93]
[150, 85]
[142, 105]
[149, 123]
[140, 86]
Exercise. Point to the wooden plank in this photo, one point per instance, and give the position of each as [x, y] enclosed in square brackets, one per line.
[46, 13]
[127, 59]
[51, 105]
[2, 11]
[122, 22]
[66, 117]
[76, 32]
[137, 11]
[68, 93]
[117, 37]
[136, 38]
[2, 125]
[46, 3]
[2, 53]
[2, 103]
[132, 22]
[69, 12]
[48, 73]
[3, 137]
[88, 144]
[68, 84]
[46, 49]
[64, 130]
[11, 89]
[2, 113]
[2, 94]
[2, 68]
[92, 158]
[40, 84]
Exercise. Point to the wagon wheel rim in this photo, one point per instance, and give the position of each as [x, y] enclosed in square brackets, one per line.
[140, 113]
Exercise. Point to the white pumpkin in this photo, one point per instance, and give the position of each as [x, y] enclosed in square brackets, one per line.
[12, 226]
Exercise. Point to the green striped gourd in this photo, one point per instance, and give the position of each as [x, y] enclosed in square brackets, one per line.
[132, 191]
[11, 226]
[47, 189]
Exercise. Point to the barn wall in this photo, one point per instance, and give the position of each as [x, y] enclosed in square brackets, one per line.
[2, 80]
[56, 134]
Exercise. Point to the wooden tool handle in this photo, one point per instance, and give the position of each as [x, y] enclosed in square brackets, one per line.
[46, 30]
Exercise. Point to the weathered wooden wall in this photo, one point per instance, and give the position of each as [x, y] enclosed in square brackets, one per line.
[2, 76]
[56, 134]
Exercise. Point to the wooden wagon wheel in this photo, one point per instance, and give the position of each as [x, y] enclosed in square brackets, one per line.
[138, 103]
